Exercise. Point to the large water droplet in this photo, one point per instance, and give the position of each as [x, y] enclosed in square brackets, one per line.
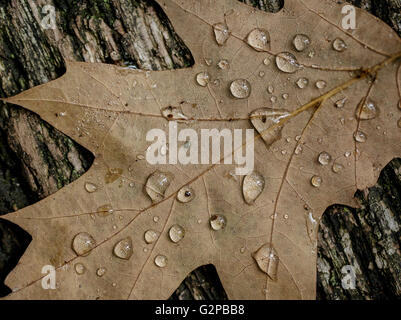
[112, 175]
[83, 243]
[176, 233]
[360, 136]
[150, 236]
[221, 33]
[316, 181]
[267, 260]
[79, 268]
[203, 79]
[123, 249]
[185, 194]
[157, 184]
[339, 45]
[218, 222]
[324, 158]
[337, 167]
[240, 88]
[366, 110]
[266, 122]
[90, 187]
[287, 62]
[259, 39]
[321, 84]
[302, 83]
[161, 261]
[301, 42]
[252, 187]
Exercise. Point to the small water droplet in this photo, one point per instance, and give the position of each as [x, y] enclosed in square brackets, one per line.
[79, 268]
[173, 114]
[208, 61]
[240, 88]
[298, 149]
[261, 74]
[223, 64]
[341, 103]
[324, 158]
[360, 136]
[266, 122]
[316, 181]
[150, 236]
[218, 222]
[287, 62]
[366, 110]
[123, 249]
[83, 243]
[266, 61]
[302, 83]
[270, 89]
[321, 84]
[311, 227]
[90, 187]
[286, 216]
[203, 79]
[339, 45]
[337, 167]
[221, 33]
[156, 219]
[176, 233]
[157, 184]
[185, 194]
[259, 39]
[285, 96]
[347, 154]
[301, 42]
[273, 99]
[252, 187]
[161, 261]
[100, 272]
[105, 210]
[267, 260]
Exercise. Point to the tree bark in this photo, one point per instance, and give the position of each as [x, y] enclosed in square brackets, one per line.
[36, 160]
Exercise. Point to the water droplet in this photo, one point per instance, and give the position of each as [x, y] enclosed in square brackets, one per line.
[223, 64]
[324, 158]
[285, 96]
[302, 83]
[150, 236]
[173, 114]
[298, 149]
[252, 187]
[366, 110]
[341, 103]
[123, 249]
[104, 210]
[156, 219]
[273, 99]
[267, 260]
[321, 84]
[112, 175]
[242, 250]
[90, 187]
[208, 61]
[221, 33]
[176, 233]
[301, 42]
[287, 62]
[83, 243]
[339, 45]
[270, 89]
[161, 261]
[185, 194]
[259, 39]
[347, 154]
[266, 61]
[157, 184]
[218, 222]
[266, 122]
[100, 272]
[240, 88]
[359, 136]
[261, 74]
[316, 181]
[203, 79]
[79, 268]
[337, 167]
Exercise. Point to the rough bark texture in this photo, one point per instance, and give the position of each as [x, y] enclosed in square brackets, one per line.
[36, 160]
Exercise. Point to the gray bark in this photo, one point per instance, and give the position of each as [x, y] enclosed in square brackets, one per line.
[36, 160]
